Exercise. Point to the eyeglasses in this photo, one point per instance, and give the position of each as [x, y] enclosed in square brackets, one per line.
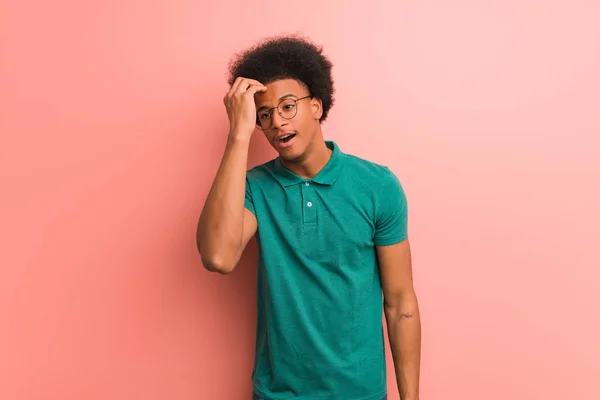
[287, 108]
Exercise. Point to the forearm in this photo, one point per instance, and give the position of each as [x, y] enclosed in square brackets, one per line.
[404, 331]
[221, 223]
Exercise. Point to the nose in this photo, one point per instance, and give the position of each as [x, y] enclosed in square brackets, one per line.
[277, 121]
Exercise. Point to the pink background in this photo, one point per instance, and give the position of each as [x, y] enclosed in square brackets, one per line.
[112, 126]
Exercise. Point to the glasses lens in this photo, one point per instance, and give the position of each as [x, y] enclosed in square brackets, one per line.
[287, 108]
[263, 120]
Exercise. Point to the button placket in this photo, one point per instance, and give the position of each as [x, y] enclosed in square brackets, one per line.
[308, 203]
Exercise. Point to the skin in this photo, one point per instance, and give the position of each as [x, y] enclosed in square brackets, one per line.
[308, 154]
[226, 226]
[401, 311]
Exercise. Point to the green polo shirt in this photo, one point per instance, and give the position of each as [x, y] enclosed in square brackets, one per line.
[319, 329]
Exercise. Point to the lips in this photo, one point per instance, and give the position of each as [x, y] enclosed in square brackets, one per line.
[284, 140]
[284, 135]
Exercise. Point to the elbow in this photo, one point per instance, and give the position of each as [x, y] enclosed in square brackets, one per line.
[217, 265]
[213, 262]
[220, 260]
[399, 307]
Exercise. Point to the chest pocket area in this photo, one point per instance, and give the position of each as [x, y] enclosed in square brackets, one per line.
[343, 236]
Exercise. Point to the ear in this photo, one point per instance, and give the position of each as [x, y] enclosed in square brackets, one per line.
[316, 106]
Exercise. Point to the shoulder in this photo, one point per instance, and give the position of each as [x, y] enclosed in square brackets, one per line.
[380, 187]
[376, 176]
[260, 172]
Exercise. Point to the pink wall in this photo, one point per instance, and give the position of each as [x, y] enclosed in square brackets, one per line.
[112, 127]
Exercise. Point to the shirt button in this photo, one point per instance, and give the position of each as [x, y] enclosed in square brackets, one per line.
[307, 184]
[309, 204]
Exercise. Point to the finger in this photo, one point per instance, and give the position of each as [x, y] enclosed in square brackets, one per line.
[246, 83]
[253, 89]
[243, 86]
[254, 82]
[235, 85]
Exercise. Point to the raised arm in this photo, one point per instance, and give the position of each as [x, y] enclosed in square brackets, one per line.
[225, 226]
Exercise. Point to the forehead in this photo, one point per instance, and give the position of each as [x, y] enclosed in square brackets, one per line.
[277, 89]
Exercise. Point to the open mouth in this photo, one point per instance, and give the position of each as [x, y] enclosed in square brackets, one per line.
[286, 138]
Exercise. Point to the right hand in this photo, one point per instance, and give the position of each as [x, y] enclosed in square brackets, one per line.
[241, 110]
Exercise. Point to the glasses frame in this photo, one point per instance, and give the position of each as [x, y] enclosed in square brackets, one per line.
[270, 110]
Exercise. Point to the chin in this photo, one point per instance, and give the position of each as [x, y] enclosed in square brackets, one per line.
[292, 154]
[295, 153]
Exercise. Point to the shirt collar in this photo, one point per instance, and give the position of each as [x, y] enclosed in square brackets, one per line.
[327, 176]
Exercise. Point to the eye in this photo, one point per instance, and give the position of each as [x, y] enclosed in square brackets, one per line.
[264, 115]
[288, 106]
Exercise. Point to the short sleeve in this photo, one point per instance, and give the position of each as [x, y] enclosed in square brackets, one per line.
[391, 213]
[248, 203]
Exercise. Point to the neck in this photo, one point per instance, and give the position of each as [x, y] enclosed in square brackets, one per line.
[316, 157]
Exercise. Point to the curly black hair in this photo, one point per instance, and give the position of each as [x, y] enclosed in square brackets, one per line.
[287, 57]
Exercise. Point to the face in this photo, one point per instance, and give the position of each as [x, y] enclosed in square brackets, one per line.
[292, 127]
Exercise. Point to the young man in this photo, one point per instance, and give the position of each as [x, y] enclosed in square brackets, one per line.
[331, 230]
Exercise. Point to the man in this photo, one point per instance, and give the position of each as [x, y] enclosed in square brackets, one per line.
[331, 230]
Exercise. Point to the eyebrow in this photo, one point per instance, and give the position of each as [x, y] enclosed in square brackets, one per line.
[285, 96]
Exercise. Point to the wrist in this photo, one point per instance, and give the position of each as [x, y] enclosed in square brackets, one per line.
[237, 136]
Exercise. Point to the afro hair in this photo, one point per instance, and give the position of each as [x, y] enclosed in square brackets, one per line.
[287, 57]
